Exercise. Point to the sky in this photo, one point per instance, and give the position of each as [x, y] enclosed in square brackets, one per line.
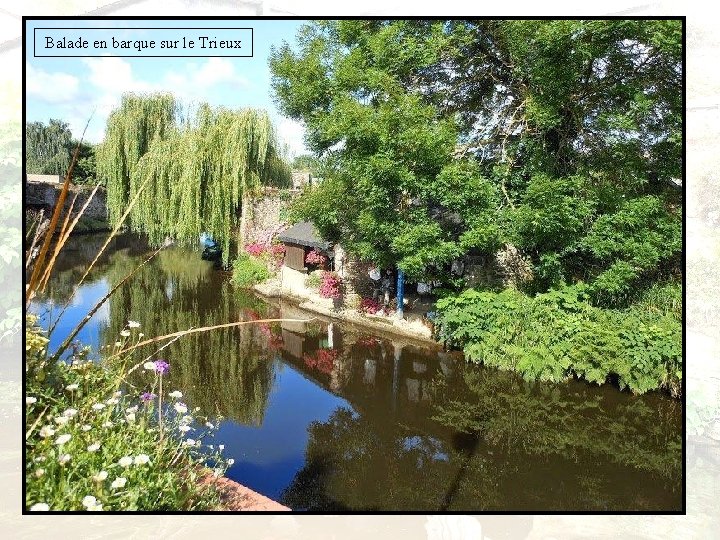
[73, 89]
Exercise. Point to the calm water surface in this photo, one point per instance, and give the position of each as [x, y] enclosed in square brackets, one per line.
[329, 417]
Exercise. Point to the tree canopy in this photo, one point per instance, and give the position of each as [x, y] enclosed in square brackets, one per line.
[49, 150]
[452, 137]
[189, 174]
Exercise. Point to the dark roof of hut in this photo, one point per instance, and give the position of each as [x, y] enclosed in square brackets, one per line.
[304, 234]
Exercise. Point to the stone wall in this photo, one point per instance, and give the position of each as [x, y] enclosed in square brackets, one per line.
[45, 195]
[265, 216]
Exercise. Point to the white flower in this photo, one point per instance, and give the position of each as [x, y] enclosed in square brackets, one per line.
[221, 447]
[125, 333]
[119, 482]
[125, 461]
[107, 424]
[98, 406]
[133, 324]
[209, 425]
[189, 442]
[177, 394]
[95, 508]
[39, 507]
[61, 420]
[99, 477]
[62, 460]
[89, 500]
[29, 400]
[118, 393]
[70, 413]
[39, 459]
[217, 473]
[230, 462]
[46, 431]
[86, 427]
[112, 401]
[62, 439]
[184, 428]
[150, 366]
[180, 408]
[94, 447]
[39, 472]
[141, 334]
[142, 459]
[72, 387]
[132, 409]
[130, 417]
[196, 409]
[187, 419]
[117, 343]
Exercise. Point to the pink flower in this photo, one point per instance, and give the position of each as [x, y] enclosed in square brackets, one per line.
[330, 285]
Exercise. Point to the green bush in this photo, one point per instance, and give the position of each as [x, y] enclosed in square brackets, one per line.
[248, 270]
[558, 335]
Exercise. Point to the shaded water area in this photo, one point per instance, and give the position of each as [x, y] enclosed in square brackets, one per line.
[325, 416]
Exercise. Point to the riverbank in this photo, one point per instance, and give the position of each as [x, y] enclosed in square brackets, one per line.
[412, 326]
[234, 497]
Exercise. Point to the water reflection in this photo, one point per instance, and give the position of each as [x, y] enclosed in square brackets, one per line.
[328, 417]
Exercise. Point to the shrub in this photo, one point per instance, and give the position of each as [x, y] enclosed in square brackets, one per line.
[248, 270]
[558, 335]
[330, 285]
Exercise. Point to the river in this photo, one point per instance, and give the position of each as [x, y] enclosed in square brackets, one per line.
[324, 416]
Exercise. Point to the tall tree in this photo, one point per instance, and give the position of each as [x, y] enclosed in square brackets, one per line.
[453, 136]
[47, 147]
[130, 131]
[190, 177]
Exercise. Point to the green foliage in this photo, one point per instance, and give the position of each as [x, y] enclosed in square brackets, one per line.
[639, 237]
[85, 171]
[130, 131]
[447, 138]
[48, 148]
[307, 162]
[558, 334]
[195, 174]
[248, 270]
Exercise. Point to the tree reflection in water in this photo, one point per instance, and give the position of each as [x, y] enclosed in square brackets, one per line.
[487, 440]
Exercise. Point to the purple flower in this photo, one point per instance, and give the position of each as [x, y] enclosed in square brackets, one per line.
[161, 367]
[147, 396]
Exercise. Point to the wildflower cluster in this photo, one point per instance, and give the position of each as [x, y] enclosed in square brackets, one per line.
[95, 443]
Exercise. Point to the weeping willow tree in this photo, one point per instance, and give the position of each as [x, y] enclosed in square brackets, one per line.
[131, 130]
[196, 176]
